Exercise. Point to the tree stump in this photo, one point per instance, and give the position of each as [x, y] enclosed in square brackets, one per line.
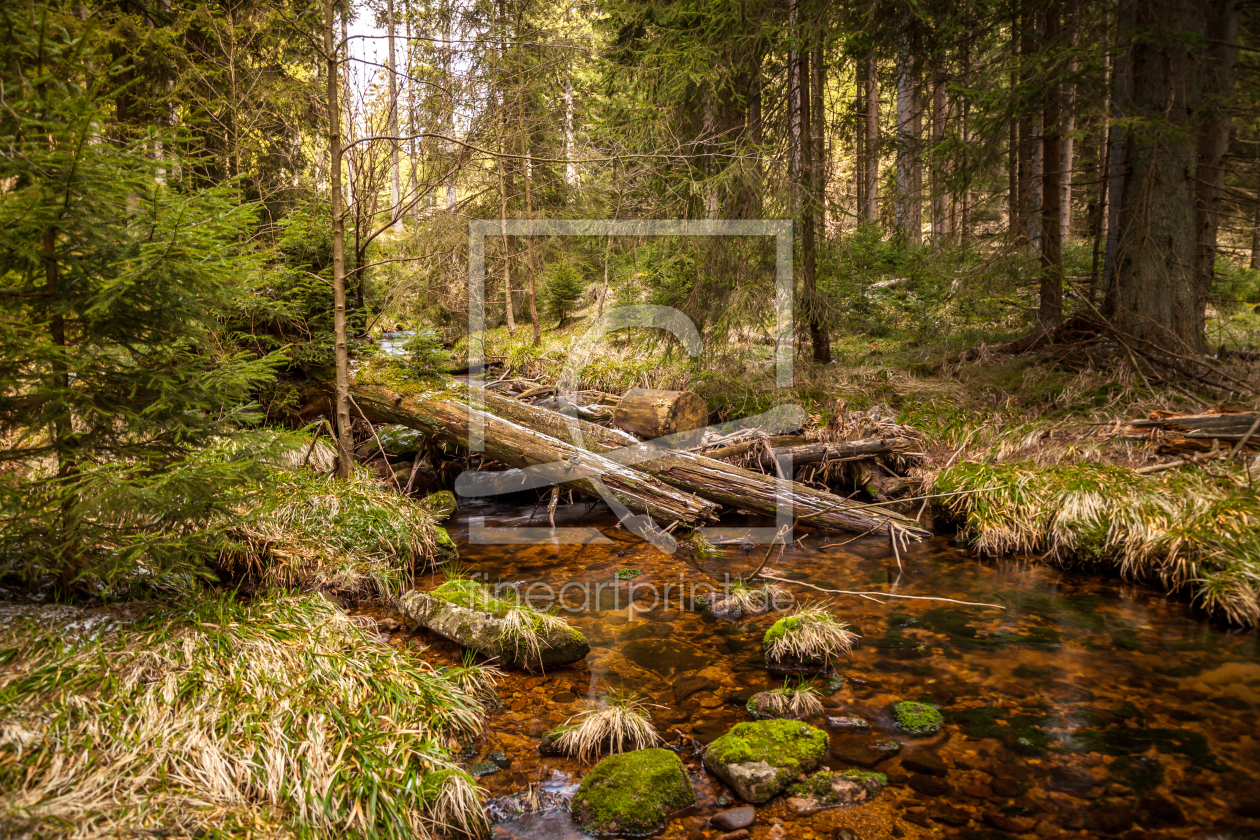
[649, 413]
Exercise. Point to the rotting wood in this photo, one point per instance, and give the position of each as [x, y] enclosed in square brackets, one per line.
[506, 440]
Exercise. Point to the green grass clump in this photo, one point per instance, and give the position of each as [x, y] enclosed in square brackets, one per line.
[280, 715]
[628, 574]
[1182, 528]
[917, 718]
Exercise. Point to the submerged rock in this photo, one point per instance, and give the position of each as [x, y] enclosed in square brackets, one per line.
[632, 794]
[487, 634]
[917, 718]
[733, 819]
[826, 789]
[865, 753]
[760, 759]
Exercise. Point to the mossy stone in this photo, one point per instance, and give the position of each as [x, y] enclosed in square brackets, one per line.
[628, 573]
[917, 718]
[483, 768]
[632, 794]
[445, 549]
[441, 504]
[760, 759]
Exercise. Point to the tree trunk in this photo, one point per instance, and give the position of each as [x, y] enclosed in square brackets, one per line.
[907, 219]
[395, 181]
[696, 474]
[345, 442]
[1050, 307]
[1014, 222]
[413, 187]
[1068, 132]
[570, 167]
[1255, 233]
[529, 240]
[1221, 54]
[1118, 150]
[1156, 285]
[818, 157]
[940, 199]
[870, 194]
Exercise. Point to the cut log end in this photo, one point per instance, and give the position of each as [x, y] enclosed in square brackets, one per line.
[649, 413]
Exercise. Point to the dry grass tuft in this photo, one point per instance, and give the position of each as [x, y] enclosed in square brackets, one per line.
[281, 718]
[810, 635]
[795, 700]
[618, 724]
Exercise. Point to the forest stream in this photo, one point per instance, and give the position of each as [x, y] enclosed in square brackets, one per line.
[1088, 705]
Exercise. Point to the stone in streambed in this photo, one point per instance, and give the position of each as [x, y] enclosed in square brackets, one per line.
[849, 724]
[924, 762]
[917, 718]
[825, 790]
[733, 819]
[632, 794]
[484, 632]
[760, 759]
[866, 753]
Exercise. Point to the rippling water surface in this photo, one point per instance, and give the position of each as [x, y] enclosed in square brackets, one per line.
[1087, 707]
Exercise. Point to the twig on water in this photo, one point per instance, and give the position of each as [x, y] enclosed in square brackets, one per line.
[874, 596]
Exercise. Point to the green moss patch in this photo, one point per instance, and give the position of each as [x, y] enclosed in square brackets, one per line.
[628, 573]
[788, 748]
[632, 794]
[917, 718]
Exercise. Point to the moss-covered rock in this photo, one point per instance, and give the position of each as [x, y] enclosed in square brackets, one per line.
[760, 759]
[445, 549]
[917, 718]
[632, 794]
[826, 789]
[441, 504]
[475, 624]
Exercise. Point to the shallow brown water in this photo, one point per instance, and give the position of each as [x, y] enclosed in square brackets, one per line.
[1089, 707]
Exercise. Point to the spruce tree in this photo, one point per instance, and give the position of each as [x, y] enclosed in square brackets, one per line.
[112, 384]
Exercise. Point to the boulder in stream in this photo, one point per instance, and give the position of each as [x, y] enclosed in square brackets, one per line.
[632, 794]
[760, 759]
[917, 718]
[484, 626]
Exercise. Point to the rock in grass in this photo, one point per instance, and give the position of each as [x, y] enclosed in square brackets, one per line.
[487, 633]
[444, 550]
[632, 794]
[917, 718]
[826, 789]
[760, 759]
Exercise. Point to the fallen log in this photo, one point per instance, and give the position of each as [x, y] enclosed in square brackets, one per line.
[716, 480]
[734, 450]
[649, 413]
[1195, 432]
[449, 420]
[813, 453]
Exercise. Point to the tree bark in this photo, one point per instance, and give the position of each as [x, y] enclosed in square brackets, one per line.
[1050, 307]
[1221, 55]
[345, 442]
[1157, 297]
[870, 194]
[907, 220]
[1118, 150]
[395, 181]
[940, 199]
